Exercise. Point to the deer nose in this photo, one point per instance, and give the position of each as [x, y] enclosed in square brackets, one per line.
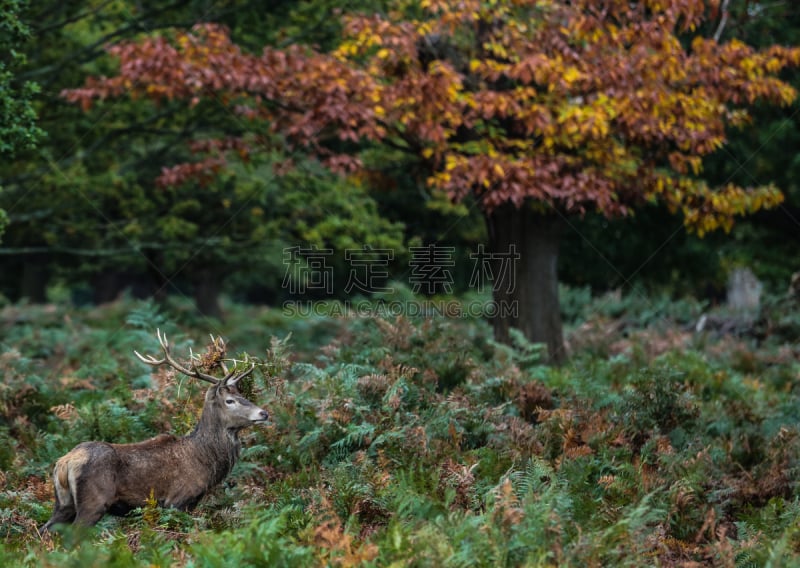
[264, 415]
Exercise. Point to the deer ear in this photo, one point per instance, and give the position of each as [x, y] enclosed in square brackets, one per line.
[233, 378]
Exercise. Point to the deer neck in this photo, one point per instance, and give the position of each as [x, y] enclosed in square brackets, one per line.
[215, 445]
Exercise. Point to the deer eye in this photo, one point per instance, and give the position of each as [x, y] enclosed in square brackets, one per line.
[229, 401]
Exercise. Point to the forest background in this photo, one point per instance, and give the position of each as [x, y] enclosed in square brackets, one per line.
[90, 207]
[258, 170]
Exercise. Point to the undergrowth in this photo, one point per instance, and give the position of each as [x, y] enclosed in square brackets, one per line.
[419, 443]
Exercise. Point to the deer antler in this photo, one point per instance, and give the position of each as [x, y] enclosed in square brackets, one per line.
[193, 372]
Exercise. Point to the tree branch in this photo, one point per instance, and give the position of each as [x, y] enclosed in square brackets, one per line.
[106, 252]
[722, 21]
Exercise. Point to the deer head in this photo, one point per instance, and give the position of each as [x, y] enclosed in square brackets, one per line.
[223, 403]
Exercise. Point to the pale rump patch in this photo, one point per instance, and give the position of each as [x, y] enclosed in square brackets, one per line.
[66, 471]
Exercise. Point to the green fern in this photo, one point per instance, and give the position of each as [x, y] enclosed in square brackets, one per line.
[146, 316]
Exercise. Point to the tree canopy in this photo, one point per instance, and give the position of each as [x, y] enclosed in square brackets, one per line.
[18, 130]
[547, 107]
[86, 208]
[580, 105]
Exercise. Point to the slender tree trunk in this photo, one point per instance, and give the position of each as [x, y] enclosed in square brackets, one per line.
[107, 286]
[34, 280]
[527, 299]
[160, 284]
[207, 289]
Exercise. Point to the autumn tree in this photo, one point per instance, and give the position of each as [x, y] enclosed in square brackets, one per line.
[533, 111]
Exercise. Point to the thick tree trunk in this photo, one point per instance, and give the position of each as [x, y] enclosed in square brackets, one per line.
[207, 288]
[529, 302]
[160, 284]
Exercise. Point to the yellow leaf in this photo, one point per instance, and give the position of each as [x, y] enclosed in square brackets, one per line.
[572, 74]
[452, 92]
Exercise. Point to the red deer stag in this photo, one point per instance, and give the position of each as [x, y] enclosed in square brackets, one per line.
[96, 478]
